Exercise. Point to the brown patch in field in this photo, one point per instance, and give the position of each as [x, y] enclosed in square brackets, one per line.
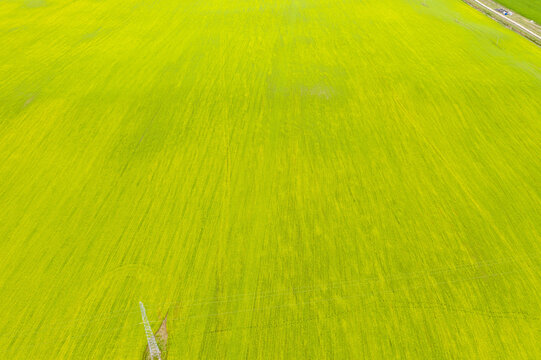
[161, 338]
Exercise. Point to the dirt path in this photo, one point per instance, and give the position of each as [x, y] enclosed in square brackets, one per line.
[516, 22]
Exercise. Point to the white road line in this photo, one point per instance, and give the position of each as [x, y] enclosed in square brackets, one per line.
[506, 18]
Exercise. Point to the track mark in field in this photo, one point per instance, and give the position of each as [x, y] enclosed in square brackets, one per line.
[346, 284]
[443, 306]
[378, 303]
[363, 296]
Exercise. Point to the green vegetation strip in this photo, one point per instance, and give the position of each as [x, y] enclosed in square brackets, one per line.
[528, 8]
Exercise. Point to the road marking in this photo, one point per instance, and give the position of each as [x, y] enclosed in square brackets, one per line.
[506, 18]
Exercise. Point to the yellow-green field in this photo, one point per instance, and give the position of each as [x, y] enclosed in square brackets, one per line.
[293, 179]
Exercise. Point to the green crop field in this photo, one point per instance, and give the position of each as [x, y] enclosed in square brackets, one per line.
[528, 8]
[287, 179]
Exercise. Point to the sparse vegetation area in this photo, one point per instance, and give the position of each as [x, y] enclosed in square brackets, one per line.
[301, 179]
